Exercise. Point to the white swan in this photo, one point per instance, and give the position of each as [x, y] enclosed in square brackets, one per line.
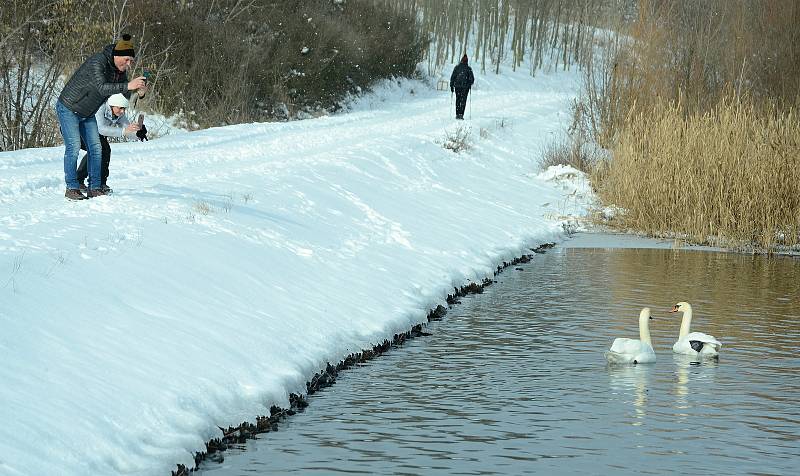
[634, 351]
[693, 343]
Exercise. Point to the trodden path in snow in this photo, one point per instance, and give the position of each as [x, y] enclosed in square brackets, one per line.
[175, 177]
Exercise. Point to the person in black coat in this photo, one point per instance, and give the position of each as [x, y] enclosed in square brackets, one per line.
[460, 82]
[100, 76]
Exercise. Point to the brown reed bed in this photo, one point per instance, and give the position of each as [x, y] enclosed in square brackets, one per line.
[727, 177]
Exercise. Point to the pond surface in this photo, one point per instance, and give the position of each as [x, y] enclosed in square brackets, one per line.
[514, 381]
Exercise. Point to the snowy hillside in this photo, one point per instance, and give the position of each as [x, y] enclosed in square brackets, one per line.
[230, 264]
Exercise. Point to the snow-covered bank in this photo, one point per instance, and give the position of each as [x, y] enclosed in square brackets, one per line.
[230, 264]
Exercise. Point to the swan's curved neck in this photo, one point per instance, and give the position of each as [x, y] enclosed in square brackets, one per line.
[644, 329]
[686, 322]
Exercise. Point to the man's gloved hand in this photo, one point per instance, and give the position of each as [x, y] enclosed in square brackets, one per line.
[142, 133]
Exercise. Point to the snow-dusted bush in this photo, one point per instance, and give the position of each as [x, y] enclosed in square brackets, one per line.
[273, 60]
[458, 140]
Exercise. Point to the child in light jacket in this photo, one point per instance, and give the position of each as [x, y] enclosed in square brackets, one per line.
[111, 122]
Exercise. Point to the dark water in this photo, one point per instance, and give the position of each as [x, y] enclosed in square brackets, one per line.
[514, 381]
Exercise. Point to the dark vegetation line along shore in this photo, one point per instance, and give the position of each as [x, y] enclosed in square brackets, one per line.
[327, 376]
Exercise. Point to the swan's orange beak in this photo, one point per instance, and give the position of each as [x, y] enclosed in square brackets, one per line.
[674, 308]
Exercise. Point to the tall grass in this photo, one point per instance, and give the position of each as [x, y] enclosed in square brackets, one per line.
[694, 52]
[727, 176]
[698, 102]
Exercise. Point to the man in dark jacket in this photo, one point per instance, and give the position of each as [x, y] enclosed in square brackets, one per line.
[461, 81]
[102, 75]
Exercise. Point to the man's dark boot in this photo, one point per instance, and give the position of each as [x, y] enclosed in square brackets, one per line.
[74, 194]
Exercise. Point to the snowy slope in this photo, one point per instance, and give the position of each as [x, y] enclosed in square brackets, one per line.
[230, 264]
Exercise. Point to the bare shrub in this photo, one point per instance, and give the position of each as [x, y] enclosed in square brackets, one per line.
[37, 38]
[576, 148]
[234, 62]
[202, 208]
[458, 140]
[214, 62]
[227, 204]
[566, 151]
[693, 53]
[502, 123]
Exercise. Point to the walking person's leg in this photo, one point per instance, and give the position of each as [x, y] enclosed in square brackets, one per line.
[70, 126]
[94, 151]
[461, 102]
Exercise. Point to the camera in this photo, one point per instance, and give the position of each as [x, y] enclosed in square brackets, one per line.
[146, 74]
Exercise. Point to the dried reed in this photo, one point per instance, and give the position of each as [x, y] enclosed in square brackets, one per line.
[729, 176]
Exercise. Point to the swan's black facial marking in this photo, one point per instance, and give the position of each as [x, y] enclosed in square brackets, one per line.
[696, 345]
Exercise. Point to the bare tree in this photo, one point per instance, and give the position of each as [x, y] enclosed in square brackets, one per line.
[552, 32]
[26, 83]
[39, 39]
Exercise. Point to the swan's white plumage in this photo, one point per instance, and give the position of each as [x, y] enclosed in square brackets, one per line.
[710, 345]
[628, 351]
[634, 351]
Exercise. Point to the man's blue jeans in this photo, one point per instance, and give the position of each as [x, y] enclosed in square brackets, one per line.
[73, 127]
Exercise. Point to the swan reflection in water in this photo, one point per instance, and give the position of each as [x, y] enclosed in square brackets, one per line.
[629, 383]
[693, 376]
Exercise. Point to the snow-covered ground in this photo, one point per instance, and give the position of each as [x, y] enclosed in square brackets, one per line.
[230, 264]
